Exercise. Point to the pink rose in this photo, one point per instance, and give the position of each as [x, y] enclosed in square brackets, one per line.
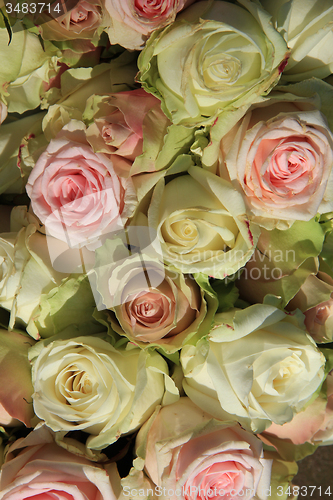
[319, 319]
[315, 300]
[79, 22]
[279, 155]
[132, 21]
[197, 457]
[15, 372]
[75, 192]
[313, 425]
[119, 125]
[149, 302]
[36, 467]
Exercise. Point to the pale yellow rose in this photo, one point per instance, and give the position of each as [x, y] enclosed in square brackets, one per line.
[259, 366]
[201, 224]
[85, 383]
[218, 56]
[313, 425]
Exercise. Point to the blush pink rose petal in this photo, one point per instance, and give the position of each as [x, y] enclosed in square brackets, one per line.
[319, 321]
[119, 124]
[313, 425]
[198, 458]
[75, 192]
[81, 22]
[280, 157]
[16, 392]
[132, 21]
[36, 467]
[158, 314]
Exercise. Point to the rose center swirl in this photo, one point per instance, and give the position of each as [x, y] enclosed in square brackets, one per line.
[150, 8]
[75, 384]
[216, 481]
[77, 16]
[224, 70]
[148, 308]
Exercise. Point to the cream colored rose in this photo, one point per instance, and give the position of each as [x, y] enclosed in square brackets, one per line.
[217, 56]
[26, 272]
[307, 28]
[315, 300]
[197, 457]
[87, 384]
[257, 367]
[201, 224]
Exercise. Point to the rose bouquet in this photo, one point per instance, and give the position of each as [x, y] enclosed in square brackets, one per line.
[166, 247]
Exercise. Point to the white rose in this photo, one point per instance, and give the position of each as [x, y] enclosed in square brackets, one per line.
[85, 383]
[201, 224]
[25, 269]
[257, 367]
[218, 56]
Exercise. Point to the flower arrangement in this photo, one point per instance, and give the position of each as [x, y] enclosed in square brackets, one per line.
[166, 247]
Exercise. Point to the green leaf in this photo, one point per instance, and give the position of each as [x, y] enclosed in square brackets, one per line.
[283, 472]
[71, 304]
[289, 451]
[328, 353]
[227, 294]
[7, 25]
[282, 262]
